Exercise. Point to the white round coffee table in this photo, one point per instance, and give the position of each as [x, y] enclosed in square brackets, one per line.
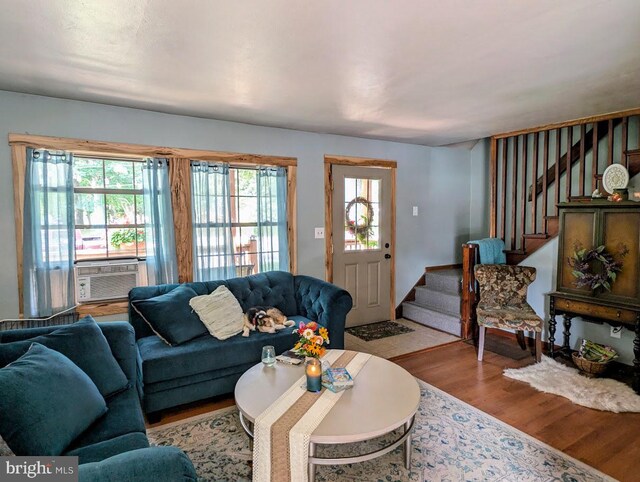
[384, 397]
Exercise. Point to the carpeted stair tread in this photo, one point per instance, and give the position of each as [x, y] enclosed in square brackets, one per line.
[431, 317]
[446, 281]
[444, 302]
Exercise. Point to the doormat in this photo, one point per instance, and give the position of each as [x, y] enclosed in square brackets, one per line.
[376, 331]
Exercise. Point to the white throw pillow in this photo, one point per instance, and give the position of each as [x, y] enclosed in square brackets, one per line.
[220, 312]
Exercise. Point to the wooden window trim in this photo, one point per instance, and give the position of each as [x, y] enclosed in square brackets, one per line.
[180, 181]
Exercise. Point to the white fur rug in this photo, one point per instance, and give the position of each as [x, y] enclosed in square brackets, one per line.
[550, 376]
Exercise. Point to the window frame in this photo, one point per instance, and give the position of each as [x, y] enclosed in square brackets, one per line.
[105, 191]
[179, 177]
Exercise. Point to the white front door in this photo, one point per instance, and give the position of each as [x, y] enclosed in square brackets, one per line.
[361, 241]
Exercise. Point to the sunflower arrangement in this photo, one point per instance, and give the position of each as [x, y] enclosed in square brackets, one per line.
[312, 340]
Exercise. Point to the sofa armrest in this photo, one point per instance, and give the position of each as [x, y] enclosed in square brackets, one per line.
[153, 464]
[122, 341]
[324, 303]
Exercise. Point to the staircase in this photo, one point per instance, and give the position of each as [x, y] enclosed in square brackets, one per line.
[437, 303]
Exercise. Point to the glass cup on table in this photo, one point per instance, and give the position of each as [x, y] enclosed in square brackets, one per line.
[268, 355]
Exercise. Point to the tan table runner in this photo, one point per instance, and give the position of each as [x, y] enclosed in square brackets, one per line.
[282, 432]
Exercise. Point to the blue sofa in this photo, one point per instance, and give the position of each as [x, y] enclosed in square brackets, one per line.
[205, 366]
[115, 447]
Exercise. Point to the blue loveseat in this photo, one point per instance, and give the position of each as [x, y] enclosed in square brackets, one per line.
[205, 366]
[115, 447]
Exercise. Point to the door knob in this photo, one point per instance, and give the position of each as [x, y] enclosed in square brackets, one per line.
[387, 256]
[386, 245]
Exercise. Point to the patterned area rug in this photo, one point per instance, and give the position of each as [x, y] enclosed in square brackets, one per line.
[452, 441]
[376, 331]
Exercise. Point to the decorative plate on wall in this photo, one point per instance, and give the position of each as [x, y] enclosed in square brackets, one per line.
[615, 176]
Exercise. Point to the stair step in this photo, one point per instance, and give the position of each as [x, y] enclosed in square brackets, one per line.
[446, 280]
[442, 301]
[432, 318]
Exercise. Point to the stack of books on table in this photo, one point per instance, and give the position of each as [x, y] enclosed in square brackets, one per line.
[337, 379]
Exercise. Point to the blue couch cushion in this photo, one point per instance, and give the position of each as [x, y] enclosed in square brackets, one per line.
[108, 448]
[273, 288]
[161, 362]
[170, 316]
[85, 345]
[46, 401]
[153, 464]
[124, 416]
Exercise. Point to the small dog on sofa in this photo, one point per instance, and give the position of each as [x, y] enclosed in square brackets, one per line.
[265, 320]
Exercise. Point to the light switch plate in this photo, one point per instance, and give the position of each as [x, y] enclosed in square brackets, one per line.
[319, 233]
[415, 210]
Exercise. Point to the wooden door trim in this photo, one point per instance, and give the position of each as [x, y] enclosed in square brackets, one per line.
[329, 161]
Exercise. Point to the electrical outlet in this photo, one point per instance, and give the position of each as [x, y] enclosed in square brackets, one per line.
[319, 233]
[415, 210]
[615, 331]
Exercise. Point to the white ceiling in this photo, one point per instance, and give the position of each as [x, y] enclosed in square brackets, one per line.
[429, 72]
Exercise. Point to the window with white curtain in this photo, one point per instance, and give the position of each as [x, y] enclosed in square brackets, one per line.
[239, 220]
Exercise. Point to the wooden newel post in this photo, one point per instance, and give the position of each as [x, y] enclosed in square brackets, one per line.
[469, 294]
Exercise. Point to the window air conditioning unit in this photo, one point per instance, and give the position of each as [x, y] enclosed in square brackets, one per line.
[105, 280]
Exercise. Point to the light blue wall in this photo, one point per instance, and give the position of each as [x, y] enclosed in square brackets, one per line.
[479, 190]
[437, 180]
[545, 262]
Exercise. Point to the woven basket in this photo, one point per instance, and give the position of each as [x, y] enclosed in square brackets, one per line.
[588, 367]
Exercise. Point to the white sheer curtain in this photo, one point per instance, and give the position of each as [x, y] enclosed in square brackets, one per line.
[273, 242]
[161, 258]
[48, 233]
[213, 254]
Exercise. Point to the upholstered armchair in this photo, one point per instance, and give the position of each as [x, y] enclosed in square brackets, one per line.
[503, 302]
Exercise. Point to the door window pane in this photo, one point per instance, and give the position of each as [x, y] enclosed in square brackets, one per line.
[361, 214]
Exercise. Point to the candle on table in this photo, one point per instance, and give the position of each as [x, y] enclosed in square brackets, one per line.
[314, 375]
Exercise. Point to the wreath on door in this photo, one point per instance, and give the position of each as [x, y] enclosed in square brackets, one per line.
[360, 227]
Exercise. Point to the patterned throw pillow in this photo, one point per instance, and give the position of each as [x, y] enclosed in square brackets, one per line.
[220, 312]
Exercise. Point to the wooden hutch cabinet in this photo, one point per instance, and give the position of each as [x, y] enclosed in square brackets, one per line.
[589, 225]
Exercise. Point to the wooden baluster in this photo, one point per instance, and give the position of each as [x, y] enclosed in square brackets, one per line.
[514, 191]
[545, 168]
[594, 158]
[523, 190]
[503, 212]
[556, 181]
[610, 147]
[567, 176]
[625, 141]
[493, 221]
[534, 185]
[583, 134]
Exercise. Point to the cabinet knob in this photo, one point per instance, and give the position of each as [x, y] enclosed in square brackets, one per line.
[618, 314]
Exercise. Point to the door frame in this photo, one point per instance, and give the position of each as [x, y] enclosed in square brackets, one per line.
[331, 160]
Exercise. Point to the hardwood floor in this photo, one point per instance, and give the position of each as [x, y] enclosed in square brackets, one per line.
[604, 440]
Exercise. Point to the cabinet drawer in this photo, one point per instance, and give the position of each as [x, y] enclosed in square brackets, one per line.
[596, 311]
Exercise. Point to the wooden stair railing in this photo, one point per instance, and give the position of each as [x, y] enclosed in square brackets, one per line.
[536, 161]
[592, 136]
[533, 170]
